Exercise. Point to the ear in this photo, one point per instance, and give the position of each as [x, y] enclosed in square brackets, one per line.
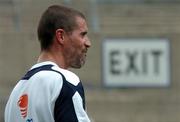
[60, 36]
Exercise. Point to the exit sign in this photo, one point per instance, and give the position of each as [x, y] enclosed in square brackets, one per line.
[136, 62]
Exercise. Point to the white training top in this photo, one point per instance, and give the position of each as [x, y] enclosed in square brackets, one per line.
[47, 93]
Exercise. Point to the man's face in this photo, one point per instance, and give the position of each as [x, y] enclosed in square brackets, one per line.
[77, 44]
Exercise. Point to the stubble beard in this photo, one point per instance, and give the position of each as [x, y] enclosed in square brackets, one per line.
[78, 61]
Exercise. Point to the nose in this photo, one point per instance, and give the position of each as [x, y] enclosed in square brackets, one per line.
[88, 43]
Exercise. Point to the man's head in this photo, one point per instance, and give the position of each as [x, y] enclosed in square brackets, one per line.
[66, 28]
[53, 18]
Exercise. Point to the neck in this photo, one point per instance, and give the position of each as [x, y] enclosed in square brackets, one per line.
[50, 56]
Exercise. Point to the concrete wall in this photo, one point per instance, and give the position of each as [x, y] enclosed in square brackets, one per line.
[19, 49]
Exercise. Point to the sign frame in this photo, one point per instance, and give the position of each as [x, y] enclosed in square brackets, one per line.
[108, 83]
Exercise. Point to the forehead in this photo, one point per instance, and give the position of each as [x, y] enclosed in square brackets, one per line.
[81, 24]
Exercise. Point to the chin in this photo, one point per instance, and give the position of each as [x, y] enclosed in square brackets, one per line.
[78, 66]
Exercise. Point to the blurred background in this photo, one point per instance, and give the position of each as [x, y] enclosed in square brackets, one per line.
[19, 49]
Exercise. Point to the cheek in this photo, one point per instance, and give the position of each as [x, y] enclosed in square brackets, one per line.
[77, 45]
[74, 50]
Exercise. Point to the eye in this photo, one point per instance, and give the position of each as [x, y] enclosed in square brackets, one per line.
[83, 34]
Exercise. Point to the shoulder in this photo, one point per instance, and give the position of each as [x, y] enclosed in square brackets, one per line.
[48, 81]
[47, 75]
[69, 76]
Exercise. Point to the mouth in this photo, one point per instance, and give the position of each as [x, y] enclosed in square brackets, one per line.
[85, 54]
[85, 51]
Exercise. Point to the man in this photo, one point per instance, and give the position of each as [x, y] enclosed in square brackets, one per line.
[49, 92]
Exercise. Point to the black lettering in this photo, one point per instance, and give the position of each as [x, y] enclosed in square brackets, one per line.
[144, 62]
[131, 57]
[114, 62]
[156, 54]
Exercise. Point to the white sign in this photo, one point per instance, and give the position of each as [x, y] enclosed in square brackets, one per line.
[136, 62]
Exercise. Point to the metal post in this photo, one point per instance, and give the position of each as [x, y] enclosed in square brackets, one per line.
[94, 18]
[17, 11]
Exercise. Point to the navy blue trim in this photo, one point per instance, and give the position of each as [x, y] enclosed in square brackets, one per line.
[64, 108]
[30, 73]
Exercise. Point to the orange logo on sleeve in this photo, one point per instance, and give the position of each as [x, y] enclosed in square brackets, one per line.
[23, 105]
